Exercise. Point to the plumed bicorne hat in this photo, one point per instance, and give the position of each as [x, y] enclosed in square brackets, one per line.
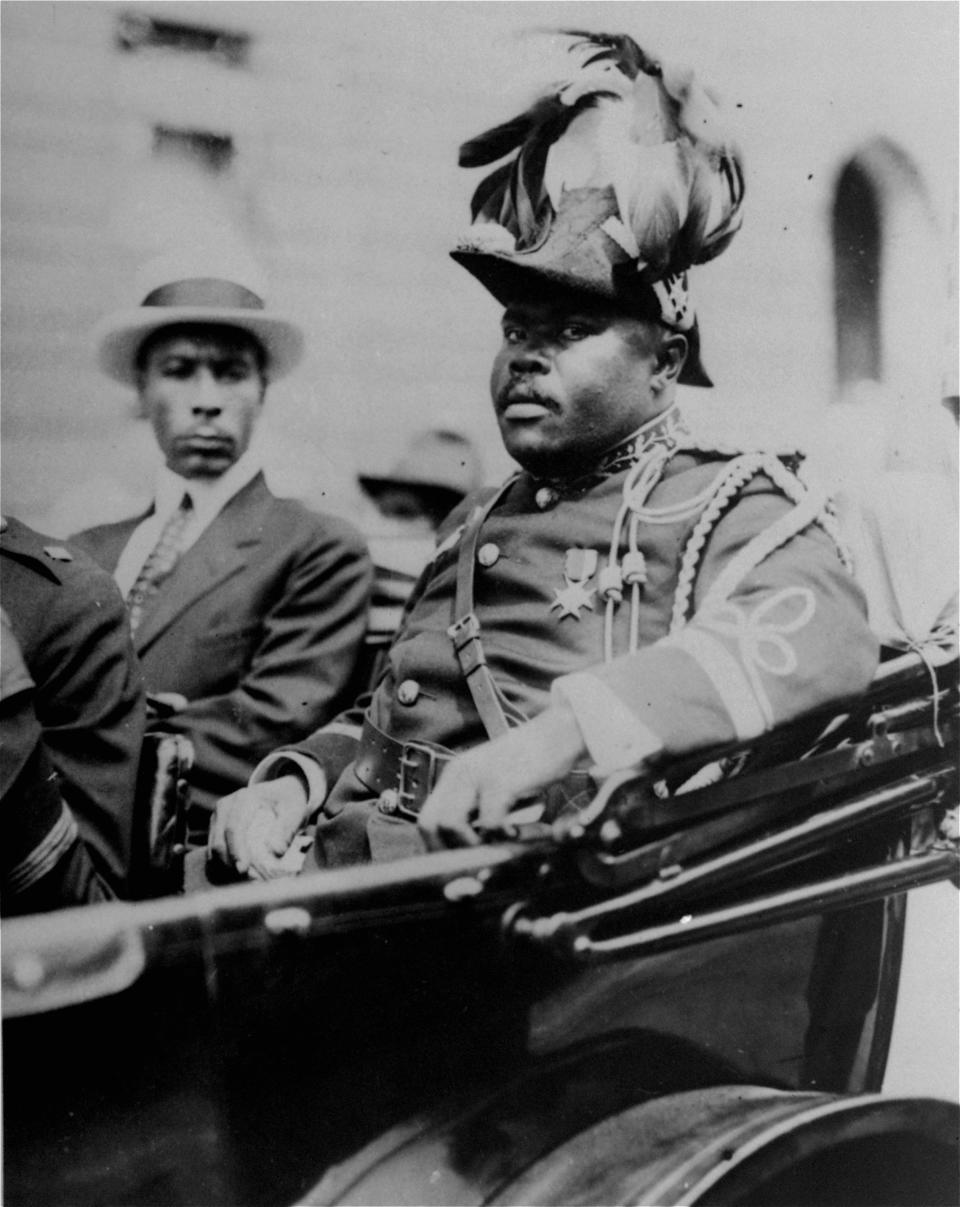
[217, 288]
[624, 178]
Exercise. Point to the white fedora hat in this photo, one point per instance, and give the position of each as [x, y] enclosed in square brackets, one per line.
[193, 289]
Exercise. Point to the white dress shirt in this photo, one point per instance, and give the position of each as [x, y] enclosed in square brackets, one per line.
[209, 497]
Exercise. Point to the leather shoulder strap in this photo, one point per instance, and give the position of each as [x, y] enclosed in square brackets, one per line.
[465, 630]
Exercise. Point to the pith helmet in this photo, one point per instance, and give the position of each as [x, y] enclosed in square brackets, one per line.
[436, 459]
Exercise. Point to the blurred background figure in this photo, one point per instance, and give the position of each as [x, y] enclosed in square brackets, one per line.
[72, 726]
[438, 469]
[894, 483]
[247, 610]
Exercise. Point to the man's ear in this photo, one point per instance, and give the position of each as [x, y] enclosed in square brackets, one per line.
[671, 356]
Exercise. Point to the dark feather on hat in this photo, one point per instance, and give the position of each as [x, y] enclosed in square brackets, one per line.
[622, 120]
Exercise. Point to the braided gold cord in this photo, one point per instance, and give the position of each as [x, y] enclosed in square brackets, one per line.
[726, 485]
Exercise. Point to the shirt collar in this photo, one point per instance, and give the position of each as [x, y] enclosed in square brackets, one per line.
[208, 497]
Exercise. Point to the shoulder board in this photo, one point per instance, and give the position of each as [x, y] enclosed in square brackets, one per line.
[706, 446]
[21, 543]
[702, 442]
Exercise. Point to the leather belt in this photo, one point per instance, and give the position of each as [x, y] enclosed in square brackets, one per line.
[403, 775]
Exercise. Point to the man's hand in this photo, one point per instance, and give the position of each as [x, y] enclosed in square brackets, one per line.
[482, 786]
[253, 828]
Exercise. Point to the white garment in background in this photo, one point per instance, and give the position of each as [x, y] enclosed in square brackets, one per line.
[903, 533]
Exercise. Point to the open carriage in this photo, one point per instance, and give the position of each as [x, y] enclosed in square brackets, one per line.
[678, 996]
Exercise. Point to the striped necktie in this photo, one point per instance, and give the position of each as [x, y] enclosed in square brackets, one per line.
[161, 560]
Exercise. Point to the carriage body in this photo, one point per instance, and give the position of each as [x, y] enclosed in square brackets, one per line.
[680, 998]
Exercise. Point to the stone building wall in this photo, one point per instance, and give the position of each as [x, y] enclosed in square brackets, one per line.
[329, 137]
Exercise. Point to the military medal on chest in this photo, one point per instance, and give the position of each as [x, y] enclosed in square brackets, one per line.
[579, 567]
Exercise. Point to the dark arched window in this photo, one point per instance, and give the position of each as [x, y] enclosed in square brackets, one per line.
[857, 267]
[889, 273]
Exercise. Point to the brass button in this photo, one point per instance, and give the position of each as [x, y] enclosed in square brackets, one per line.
[545, 497]
[488, 555]
[408, 692]
[389, 801]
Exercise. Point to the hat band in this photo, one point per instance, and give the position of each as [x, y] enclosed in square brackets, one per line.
[205, 291]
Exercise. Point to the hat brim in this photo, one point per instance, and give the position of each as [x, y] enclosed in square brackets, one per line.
[118, 337]
[374, 485]
[509, 278]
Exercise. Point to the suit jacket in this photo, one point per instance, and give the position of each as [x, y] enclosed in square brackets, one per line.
[259, 625]
[71, 625]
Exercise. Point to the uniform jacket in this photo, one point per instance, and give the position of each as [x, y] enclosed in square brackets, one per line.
[259, 625]
[71, 626]
[44, 863]
[747, 616]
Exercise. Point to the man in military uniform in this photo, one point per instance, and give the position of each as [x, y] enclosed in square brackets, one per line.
[45, 863]
[73, 702]
[634, 592]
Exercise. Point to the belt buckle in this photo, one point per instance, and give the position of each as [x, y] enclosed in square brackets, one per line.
[418, 773]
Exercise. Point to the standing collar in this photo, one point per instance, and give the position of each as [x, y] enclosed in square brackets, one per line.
[665, 429]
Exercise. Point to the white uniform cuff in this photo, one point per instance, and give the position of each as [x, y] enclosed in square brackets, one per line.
[289, 762]
[614, 738]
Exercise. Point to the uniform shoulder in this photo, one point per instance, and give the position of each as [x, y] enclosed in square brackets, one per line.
[47, 556]
[702, 453]
[61, 562]
[708, 471]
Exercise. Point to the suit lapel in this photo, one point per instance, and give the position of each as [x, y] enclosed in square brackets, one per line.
[221, 551]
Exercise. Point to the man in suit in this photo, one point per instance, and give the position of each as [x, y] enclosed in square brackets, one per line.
[247, 610]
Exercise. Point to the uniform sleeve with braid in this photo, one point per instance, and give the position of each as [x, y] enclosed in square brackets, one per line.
[787, 637]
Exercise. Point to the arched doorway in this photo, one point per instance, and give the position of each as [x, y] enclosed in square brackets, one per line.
[890, 279]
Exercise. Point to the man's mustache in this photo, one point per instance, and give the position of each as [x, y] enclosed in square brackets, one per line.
[522, 391]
